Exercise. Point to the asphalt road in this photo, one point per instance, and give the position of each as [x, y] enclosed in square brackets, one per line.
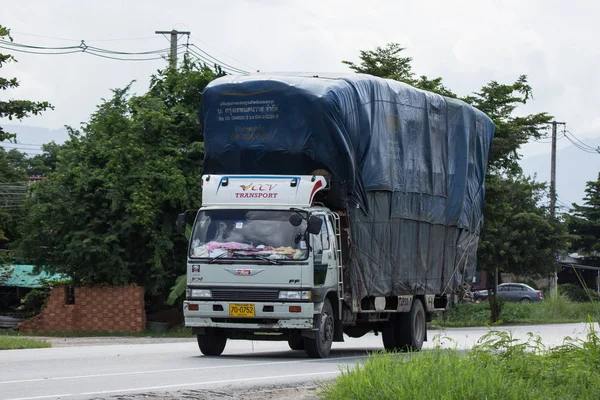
[87, 369]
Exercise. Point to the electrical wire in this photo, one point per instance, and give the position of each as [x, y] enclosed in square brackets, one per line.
[20, 144]
[27, 46]
[222, 52]
[210, 62]
[548, 140]
[125, 59]
[84, 48]
[219, 61]
[581, 145]
[587, 149]
[24, 148]
[41, 52]
[99, 50]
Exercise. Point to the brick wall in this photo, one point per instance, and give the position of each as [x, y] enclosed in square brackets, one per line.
[95, 309]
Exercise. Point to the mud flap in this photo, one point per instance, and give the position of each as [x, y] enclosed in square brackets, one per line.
[338, 334]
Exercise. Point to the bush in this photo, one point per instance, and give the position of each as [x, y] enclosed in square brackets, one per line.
[498, 367]
[578, 293]
[554, 309]
[34, 302]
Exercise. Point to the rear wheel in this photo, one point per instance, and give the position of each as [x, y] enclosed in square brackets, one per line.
[525, 300]
[320, 346]
[406, 331]
[210, 343]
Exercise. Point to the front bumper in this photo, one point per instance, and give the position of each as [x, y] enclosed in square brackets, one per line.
[269, 316]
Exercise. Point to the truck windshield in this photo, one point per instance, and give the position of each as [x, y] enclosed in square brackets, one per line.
[256, 234]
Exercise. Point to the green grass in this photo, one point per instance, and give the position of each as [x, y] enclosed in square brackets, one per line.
[554, 309]
[498, 367]
[11, 342]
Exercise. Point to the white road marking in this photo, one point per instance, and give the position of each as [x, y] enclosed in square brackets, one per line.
[177, 386]
[175, 370]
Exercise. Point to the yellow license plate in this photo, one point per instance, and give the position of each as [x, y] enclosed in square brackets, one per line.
[241, 310]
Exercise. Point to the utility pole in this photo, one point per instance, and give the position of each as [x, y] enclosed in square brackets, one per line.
[554, 276]
[174, 35]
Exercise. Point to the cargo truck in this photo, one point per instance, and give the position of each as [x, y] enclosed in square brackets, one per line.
[332, 206]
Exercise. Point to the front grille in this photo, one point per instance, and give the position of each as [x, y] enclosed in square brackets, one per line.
[245, 294]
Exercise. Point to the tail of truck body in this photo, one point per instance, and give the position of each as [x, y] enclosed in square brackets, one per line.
[402, 208]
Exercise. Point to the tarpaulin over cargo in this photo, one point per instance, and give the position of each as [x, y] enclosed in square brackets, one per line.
[409, 166]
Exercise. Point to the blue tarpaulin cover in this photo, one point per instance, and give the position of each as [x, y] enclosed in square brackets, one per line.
[407, 165]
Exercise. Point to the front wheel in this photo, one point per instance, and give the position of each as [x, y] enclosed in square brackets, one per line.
[320, 346]
[210, 343]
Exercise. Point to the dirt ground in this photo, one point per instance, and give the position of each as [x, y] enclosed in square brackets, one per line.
[305, 392]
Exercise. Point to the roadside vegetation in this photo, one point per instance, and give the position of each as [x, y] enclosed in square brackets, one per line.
[554, 309]
[9, 341]
[498, 367]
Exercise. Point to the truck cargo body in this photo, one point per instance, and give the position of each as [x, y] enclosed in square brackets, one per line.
[401, 197]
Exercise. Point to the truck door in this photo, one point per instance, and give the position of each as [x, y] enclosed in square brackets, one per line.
[324, 253]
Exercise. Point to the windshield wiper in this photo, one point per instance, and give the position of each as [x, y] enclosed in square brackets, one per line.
[261, 257]
[258, 256]
[215, 258]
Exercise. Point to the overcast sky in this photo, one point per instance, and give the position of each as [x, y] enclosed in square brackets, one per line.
[468, 43]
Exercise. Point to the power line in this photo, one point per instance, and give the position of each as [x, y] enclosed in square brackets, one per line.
[207, 61]
[83, 48]
[124, 59]
[24, 148]
[41, 52]
[26, 144]
[225, 54]
[548, 140]
[219, 61]
[20, 144]
[581, 145]
[582, 148]
[155, 54]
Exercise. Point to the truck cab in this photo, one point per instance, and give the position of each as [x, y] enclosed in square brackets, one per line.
[264, 263]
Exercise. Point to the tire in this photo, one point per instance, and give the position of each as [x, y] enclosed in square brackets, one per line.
[525, 300]
[320, 346]
[211, 344]
[296, 343]
[406, 331]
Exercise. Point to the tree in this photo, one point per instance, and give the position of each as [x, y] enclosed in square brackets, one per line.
[584, 224]
[18, 109]
[387, 62]
[13, 185]
[499, 101]
[518, 235]
[384, 62]
[10, 109]
[107, 213]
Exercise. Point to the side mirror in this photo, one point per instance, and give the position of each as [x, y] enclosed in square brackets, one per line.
[314, 225]
[181, 223]
[296, 219]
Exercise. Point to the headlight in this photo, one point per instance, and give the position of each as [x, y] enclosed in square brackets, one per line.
[295, 295]
[198, 293]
